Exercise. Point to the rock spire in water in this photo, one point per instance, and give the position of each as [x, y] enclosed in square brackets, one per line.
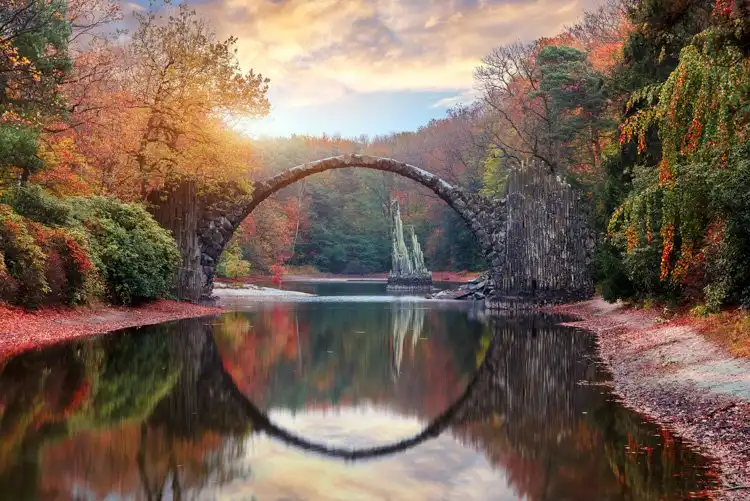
[401, 261]
[406, 317]
[408, 268]
[417, 257]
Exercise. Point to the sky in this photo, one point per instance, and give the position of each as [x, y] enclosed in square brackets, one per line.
[353, 67]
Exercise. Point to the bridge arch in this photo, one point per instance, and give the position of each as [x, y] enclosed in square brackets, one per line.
[454, 414]
[219, 224]
[206, 397]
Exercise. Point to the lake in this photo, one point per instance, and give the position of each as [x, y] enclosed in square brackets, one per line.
[355, 395]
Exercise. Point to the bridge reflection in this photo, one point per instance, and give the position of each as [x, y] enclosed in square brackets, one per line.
[164, 413]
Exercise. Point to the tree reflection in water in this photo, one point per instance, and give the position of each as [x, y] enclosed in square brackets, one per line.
[164, 412]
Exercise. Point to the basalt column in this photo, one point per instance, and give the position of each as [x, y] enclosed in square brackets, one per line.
[178, 209]
[408, 270]
[548, 242]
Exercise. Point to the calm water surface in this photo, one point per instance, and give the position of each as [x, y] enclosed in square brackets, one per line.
[328, 399]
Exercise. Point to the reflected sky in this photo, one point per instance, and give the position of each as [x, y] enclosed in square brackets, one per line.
[439, 469]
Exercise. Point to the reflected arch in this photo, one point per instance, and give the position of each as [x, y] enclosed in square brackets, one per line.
[228, 409]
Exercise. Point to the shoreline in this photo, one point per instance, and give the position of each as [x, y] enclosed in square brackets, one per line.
[437, 276]
[22, 330]
[668, 371]
[222, 291]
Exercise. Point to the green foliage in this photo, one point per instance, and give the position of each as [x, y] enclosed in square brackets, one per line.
[711, 256]
[697, 107]
[494, 175]
[73, 250]
[610, 275]
[231, 264]
[23, 259]
[18, 145]
[136, 372]
[44, 264]
[652, 51]
[348, 230]
[679, 230]
[577, 96]
[454, 246]
[137, 258]
[34, 39]
[33, 202]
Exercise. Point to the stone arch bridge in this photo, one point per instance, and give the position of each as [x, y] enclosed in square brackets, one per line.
[536, 239]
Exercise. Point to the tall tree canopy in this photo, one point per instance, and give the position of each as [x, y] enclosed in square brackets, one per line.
[34, 37]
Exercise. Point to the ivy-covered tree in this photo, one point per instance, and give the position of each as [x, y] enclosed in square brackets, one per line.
[680, 206]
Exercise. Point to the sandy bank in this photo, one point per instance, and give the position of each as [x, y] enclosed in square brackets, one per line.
[670, 372]
[250, 290]
[437, 276]
[24, 330]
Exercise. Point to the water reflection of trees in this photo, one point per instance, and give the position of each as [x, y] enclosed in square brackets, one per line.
[91, 418]
[293, 357]
[147, 414]
[558, 439]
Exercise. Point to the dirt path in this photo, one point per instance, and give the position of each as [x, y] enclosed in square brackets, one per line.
[22, 330]
[667, 370]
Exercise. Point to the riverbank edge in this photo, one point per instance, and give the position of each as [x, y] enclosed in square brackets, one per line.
[437, 276]
[22, 330]
[716, 424]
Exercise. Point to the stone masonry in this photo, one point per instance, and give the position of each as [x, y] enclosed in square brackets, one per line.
[536, 239]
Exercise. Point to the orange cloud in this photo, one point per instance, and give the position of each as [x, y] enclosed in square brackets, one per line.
[318, 51]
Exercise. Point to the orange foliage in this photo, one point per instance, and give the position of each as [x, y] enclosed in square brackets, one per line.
[106, 461]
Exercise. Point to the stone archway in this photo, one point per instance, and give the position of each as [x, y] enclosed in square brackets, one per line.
[536, 240]
[218, 225]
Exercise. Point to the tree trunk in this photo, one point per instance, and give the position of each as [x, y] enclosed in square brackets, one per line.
[299, 212]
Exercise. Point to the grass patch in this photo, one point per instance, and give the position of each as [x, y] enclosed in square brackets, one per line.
[730, 329]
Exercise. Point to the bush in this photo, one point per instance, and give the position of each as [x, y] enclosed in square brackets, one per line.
[43, 265]
[613, 283]
[231, 264]
[69, 250]
[24, 261]
[33, 202]
[136, 257]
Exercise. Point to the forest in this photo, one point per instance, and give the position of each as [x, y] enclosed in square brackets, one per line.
[642, 105]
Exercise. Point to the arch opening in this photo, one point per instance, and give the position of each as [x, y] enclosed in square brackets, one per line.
[219, 225]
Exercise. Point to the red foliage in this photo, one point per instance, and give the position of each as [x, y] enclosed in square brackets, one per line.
[666, 256]
[22, 330]
[278, 272]
[724, 8]
[78, 399]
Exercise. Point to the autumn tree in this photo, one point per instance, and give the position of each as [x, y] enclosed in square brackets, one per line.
[182, 77]
[93, 67]
[681, 223]
[577, 99]
[34, 38]
[519, 122]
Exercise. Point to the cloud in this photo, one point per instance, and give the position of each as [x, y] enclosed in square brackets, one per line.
[464, 97]
[318, 51]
